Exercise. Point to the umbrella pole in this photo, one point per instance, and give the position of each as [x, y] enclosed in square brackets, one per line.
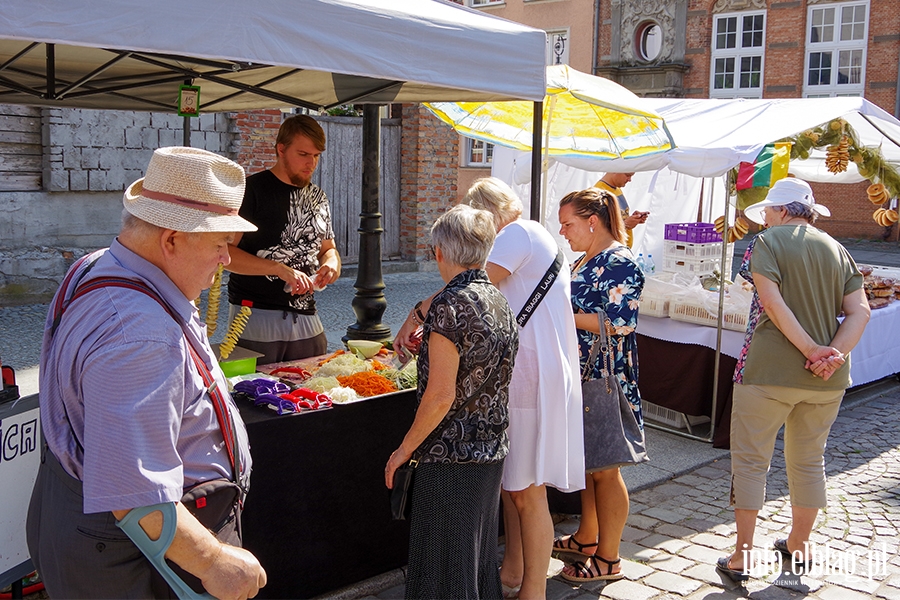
[369, 303]
[545, 159]
[536, 135]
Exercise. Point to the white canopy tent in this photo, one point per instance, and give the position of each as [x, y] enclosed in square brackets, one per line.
[134, 55]
[711, 137]
[687, 184]
[126, 54]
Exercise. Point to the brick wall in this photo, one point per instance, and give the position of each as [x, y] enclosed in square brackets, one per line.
[254, 138]
[783, 78]
[429, 155]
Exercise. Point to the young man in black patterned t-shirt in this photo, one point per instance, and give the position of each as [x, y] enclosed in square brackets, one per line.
[278, 267]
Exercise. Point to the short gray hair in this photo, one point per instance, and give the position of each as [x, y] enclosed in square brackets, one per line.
[136, 225]
[465, 236]
[140, 228]
[493, 195]
[798, 209]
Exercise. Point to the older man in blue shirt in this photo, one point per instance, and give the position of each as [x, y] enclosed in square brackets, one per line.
[134, 407]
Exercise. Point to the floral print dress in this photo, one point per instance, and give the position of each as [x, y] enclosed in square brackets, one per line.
[612, 281]
[756, 311]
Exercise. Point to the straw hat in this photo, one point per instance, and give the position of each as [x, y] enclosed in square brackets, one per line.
[189, 189]
[786, 191]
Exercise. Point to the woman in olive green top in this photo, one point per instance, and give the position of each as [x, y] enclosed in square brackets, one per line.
[797, 365]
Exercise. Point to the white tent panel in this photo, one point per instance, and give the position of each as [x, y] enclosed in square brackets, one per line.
[712, 136]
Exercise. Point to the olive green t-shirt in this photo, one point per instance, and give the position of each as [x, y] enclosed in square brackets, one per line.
[813, 273]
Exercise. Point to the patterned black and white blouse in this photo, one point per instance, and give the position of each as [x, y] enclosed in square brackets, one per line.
[474, 315]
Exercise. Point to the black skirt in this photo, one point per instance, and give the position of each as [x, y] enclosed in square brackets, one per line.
[453, 531]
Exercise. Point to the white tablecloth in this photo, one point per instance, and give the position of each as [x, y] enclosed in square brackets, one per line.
[878, 353]
[876, 356]
[682, 332]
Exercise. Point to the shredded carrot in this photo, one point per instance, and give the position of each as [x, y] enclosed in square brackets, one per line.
[378, 365]
[367, 383]
[335, 354]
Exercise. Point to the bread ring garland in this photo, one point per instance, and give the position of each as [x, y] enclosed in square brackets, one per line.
[736, 232]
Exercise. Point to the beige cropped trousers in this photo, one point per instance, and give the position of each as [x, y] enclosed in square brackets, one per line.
[758, 412]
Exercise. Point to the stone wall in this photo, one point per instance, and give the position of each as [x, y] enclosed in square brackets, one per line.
[89, 157]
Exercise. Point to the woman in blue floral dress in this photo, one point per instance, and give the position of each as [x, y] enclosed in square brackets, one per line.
[606, 277]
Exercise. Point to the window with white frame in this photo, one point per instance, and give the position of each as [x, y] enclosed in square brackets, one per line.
[738, 53]
[478, 3]
[836, 37]
[558, 47]
[478, 153]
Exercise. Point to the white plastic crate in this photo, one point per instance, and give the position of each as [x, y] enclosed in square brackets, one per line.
[676, 249]
[689, 265]
[695, 266]
[693, 313]
[667, 416]
[653, 305]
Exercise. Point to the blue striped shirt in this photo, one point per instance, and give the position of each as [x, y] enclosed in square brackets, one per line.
[123, 406]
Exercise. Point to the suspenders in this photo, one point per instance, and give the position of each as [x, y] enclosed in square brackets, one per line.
[220, 406]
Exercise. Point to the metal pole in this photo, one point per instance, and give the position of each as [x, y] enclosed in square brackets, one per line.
[51, 71]
[536, 170]
[369, 303]
[722, 278]
[186, 124]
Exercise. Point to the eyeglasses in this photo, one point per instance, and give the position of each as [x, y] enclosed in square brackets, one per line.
[431, 251]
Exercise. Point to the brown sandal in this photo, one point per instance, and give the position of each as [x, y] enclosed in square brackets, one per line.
[565, 544]
[585, 572]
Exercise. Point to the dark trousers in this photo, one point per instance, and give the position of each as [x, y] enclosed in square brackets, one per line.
[274, 352]
[86, 555]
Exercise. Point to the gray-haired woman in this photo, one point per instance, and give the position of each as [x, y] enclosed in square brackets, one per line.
[468, 348]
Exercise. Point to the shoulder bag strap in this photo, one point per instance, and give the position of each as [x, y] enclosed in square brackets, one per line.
[220, 407]
[540, 291]
[600, 344]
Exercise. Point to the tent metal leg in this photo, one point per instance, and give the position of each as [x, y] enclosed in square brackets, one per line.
[536, 166]
[686, 434]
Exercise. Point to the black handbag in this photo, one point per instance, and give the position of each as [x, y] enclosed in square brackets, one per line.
[403, 477]
[612, 436]
[400, 493]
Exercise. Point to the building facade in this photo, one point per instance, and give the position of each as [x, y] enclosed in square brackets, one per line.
[762, 49]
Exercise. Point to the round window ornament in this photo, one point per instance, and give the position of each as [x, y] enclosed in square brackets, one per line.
[648, 41]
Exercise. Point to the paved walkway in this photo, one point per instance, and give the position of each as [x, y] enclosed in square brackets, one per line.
[680, 520]
[679, 528]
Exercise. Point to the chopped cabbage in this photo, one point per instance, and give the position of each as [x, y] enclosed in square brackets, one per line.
[345, 364]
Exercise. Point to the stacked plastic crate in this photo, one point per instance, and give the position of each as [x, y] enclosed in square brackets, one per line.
[694, 248]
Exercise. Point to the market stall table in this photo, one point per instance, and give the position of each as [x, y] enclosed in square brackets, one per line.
[318, 514]
[677, 363]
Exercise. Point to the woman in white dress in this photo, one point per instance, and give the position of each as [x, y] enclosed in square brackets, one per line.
[545, 421]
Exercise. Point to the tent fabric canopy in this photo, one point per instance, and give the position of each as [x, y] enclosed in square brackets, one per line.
[713, 136]
[120, 54]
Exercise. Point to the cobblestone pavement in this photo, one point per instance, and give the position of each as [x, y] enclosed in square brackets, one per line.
[678, 529]
[21, 327]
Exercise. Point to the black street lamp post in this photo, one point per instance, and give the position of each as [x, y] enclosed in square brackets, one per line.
[369, 303]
